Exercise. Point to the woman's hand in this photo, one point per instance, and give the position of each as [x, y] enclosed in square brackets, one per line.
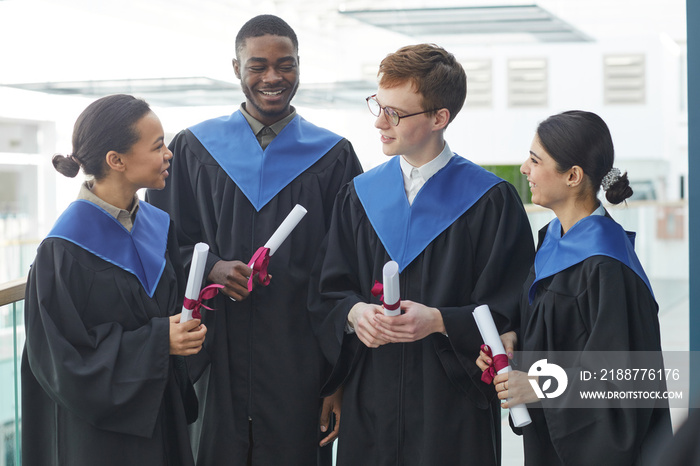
[509, 340]
[186, 338]
[514, 386]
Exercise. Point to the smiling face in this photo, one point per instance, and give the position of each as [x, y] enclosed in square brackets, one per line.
[148, 160]
[549, 187]
[268, 67]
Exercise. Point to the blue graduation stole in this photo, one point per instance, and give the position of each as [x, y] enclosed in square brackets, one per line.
[140, 252]
[595, 235]
[261, 175]
[406, 229]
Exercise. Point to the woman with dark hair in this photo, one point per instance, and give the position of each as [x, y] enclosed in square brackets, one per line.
[586, 293]
[103, 374]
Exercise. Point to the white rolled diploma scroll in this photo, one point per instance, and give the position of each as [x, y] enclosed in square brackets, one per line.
[285, 228]
[489, 333]
[391, 288]
[194, 280]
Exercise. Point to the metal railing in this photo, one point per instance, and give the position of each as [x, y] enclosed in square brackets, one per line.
[12, 293]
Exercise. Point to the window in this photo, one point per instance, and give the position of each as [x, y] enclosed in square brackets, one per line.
[527, 82]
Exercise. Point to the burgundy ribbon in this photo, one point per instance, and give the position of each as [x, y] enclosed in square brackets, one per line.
[259, 263]
[194, 304]
[378, 290]
[498, 362]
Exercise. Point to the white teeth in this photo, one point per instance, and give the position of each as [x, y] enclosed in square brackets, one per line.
[532, 185]
[271, 93]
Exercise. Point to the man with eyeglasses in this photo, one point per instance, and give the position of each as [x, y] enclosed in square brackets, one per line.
[233, 181]
[412, 393]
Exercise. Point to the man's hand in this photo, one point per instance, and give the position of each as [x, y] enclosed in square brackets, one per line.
[331, 404]
[186, 338]
[416, 322]
[362, 318]
[233, 275]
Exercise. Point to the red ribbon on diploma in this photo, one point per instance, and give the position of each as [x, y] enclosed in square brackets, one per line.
[194, 304]
[377, 290]
[498, 362]
[259, 263]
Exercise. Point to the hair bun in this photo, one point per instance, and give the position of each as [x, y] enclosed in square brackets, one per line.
[619, 189]
[66, 165]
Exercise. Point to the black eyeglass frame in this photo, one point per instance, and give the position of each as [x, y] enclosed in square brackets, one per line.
[389, 118]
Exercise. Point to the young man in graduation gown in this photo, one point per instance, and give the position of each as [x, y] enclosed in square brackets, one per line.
[234, 180]
[412, 393]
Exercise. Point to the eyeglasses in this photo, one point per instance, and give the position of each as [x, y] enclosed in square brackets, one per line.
[391, 115]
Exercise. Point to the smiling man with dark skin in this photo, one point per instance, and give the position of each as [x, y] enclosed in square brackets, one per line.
[233, 181]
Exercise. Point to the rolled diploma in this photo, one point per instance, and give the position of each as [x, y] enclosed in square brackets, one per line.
[285, 228]
[489, 333]
[391, 287]
[194, 280]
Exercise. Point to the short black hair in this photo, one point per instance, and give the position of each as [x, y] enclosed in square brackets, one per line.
[262, 25]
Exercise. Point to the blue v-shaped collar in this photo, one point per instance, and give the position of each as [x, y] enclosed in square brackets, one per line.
[406, 230]
[262, 174]
[595, 235]
[140, 252]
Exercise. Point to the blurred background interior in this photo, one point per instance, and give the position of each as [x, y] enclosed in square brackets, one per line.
[525, 60]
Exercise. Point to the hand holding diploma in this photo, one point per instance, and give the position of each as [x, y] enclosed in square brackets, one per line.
[233, 275]
[186, 338]
[362, 319]
[260, 260]
[489, 333]
[403, 321]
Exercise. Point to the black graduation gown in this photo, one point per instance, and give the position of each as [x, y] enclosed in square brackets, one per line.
[98, 383]
[599, 304]
[684, 448]
[421, 403]
[265, 363]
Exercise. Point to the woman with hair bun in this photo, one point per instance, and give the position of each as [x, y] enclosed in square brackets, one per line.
[586, 292]
[103, 374]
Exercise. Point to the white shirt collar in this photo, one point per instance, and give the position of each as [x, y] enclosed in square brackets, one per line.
[429, 169]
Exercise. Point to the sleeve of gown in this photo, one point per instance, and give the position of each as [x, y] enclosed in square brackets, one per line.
[620, 315]
[112, 378]
[503, 252]
[334, 288]
[178, 198]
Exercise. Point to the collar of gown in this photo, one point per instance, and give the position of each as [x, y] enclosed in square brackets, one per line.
[140, 251]
[262, 174]
[406, 229]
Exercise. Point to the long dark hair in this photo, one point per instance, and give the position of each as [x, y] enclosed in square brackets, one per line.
[582, 138]
[107, 124]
